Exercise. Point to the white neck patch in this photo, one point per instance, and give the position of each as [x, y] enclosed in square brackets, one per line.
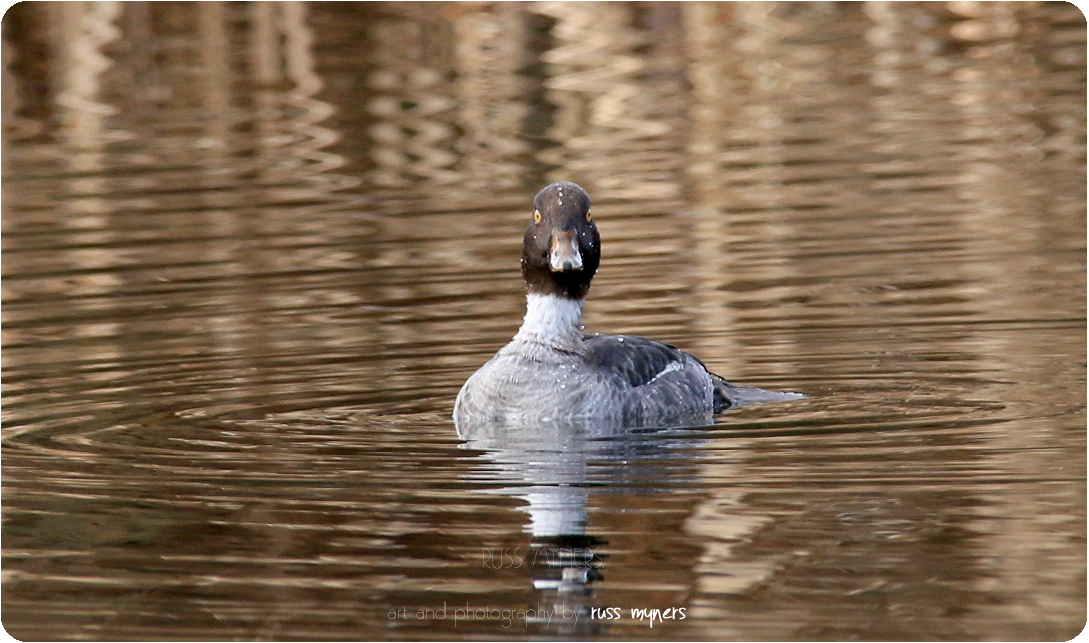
[551, 320]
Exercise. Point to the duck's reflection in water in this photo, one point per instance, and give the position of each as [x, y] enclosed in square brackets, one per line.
[552, 466]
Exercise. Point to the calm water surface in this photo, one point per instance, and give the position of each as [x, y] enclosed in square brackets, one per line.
[251, 251]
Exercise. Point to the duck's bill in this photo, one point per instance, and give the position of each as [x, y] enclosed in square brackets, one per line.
[564, 254]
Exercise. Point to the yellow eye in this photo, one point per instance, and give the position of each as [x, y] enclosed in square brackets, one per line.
[589, 217]
[536, 216]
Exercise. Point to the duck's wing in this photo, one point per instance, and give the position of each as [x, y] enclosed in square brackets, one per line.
[637, 361]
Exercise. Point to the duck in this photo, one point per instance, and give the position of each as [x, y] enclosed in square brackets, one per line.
[553, 371]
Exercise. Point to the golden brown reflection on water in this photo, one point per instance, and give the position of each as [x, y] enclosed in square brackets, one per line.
[252, 250]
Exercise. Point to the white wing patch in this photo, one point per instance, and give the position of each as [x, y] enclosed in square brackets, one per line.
[670, 367]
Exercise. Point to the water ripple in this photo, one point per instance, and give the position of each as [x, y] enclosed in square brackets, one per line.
[252, 251]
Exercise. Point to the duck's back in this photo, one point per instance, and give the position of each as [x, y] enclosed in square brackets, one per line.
[623, 377]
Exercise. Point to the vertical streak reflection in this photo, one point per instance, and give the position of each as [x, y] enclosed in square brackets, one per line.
[612, 135]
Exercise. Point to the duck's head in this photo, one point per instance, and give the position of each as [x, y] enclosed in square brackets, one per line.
[562, 248]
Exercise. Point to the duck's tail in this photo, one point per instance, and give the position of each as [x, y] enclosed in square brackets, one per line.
[731, 396]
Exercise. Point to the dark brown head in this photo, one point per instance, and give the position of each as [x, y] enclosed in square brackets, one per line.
[562, 248]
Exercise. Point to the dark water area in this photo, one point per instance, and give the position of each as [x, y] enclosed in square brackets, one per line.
[251, 251]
